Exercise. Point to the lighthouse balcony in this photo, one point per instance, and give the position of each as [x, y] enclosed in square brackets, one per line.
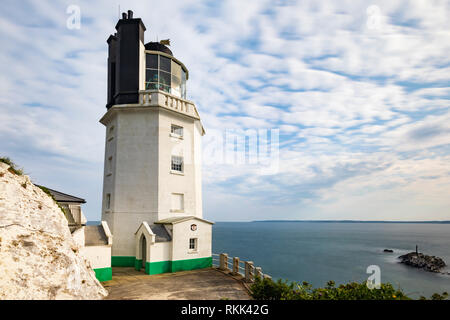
[169, 101]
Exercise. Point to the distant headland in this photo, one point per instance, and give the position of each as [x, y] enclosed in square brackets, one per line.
[357, 221]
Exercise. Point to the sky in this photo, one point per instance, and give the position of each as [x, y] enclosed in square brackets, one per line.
[355, 95]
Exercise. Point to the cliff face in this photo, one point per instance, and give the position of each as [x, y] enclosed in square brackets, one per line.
[38, 257]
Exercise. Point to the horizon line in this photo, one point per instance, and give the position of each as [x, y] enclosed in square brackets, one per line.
[339, 221]
[349, 221]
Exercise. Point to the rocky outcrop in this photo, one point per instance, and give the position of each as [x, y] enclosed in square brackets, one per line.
[422, 261]
[38, 257]
[388, 250]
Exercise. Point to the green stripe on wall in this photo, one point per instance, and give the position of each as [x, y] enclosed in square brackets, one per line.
[191, 264]
[121, 261]
[137, 264]
[103, 274]
[158, 267]
[162, 266]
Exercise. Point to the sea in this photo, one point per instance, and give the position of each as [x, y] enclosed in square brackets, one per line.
[317, 252]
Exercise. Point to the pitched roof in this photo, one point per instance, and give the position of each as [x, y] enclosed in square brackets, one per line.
[161, 233]
[181, 219]
[64, 197]
[95, 235]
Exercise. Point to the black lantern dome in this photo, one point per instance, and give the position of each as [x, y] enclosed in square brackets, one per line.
[156, 46]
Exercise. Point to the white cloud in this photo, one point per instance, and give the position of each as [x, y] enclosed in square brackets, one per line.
[353, 103]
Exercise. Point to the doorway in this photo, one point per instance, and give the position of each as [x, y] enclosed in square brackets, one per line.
[144, 251]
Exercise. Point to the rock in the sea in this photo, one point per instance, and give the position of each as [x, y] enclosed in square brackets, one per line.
[388, 250]
[38, 256]
[422, 261]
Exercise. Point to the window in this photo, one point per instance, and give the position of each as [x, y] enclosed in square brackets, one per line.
[151, 61]
[177, 163]
[177, 204]
[110, 165]
[193, 244]
[108, 200]
[165, 63]
[176, 130]
[110, 133]
[165, 74]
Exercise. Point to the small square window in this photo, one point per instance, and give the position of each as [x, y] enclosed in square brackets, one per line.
[193, 244]
[176, 130]
[177, 163]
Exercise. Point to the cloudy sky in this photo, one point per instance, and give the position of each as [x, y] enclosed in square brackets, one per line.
[358, 92]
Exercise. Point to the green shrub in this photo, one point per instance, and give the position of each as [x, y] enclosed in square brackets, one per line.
[12, 166]
[267, 289]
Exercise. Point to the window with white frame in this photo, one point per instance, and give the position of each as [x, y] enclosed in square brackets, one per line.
[108, 200]
[177, 163]
[193, 244]
[177, 204]
[176, 130]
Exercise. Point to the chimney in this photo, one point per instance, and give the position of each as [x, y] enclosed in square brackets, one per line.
[124, 59]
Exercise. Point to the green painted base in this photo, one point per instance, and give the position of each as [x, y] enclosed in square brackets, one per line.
[158, 267]
[191, 264]
[137, 264]
[178, 265]
[162, 266]
[120, 261]
[103, 274]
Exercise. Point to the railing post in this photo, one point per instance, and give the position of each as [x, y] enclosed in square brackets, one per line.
[249, 271]
[223, 261]
[259, 272]
[235, 265]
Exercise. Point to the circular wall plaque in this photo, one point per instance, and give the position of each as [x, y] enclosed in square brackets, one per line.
[193, 227]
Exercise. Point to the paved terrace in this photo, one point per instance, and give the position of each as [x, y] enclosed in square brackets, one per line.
[202, 284]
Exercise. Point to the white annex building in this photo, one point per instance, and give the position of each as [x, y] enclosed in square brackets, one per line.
[152, 200]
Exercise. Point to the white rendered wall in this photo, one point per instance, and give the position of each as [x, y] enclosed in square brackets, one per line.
[98, 256]
[182, 233]
[133, 183]
[160, 251]
[170, 182]
[141, 181]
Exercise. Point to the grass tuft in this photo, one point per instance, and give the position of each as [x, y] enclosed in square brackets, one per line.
[12, 166]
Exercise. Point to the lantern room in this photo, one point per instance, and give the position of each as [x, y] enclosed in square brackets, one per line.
[164, 72]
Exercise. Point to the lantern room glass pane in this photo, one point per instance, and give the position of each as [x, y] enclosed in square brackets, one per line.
[151, 75]
[151, 86]
[165, 88]
[183, 84]
[176, 69]
[176, 86]
[152, 61]
[164, 78]
[165, 63]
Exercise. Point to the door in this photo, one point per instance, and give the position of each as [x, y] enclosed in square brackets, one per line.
[144, 251]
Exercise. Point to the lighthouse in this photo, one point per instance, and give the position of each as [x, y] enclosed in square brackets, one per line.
[152, 185]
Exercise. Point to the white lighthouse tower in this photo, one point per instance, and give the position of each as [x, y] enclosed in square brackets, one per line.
[152, 197]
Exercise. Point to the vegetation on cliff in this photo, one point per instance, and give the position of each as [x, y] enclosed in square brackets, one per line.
[267, 289]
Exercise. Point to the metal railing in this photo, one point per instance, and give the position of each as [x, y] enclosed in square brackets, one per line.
[245, 269]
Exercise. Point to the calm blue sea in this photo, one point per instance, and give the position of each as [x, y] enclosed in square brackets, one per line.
[320, 251]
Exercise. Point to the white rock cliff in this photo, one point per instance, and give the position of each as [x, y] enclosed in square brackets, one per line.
[38, 257]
